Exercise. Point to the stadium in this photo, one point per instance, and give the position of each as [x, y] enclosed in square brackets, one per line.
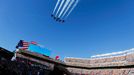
[30, 59]
[70, 30]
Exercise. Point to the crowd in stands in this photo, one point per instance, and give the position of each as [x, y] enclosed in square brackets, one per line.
[12, 68]
[128, 71]
[26, 65]
[101, 62]
[121, 60]
[124, 59]
[20, 68]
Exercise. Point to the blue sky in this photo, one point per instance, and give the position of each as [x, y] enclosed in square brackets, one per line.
[94, 27]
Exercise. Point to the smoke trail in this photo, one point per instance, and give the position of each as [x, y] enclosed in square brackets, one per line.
[69, 5]
[63, 9]
[56, 6]
[60, 7]
[72, 8]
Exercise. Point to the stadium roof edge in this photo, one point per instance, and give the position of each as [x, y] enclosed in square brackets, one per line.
[114, 53]
[78, 58]
[119, 53]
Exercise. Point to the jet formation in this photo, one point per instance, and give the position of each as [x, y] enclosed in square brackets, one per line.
[62, 9]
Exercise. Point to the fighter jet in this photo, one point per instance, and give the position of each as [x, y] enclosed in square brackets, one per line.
[63, 9]
[61, 21]
[57, 19]
[52, 15]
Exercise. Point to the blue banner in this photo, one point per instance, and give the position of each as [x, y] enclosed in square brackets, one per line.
[38, 49]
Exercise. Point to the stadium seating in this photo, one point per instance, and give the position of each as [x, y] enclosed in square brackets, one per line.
[124, 59]
[129, 71]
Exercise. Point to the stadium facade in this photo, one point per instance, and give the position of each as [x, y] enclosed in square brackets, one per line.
[115, 63]
[31, 59]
